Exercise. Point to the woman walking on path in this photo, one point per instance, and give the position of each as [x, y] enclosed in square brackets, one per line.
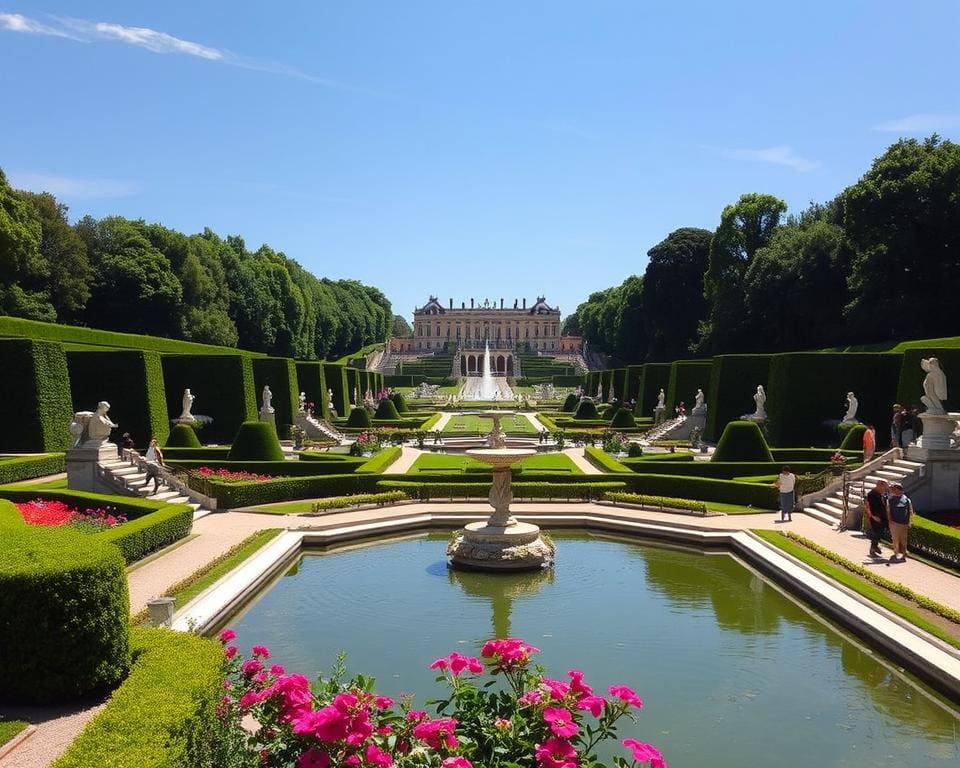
[899, 515]
[786, 482]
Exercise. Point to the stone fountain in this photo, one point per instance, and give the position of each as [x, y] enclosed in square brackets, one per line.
[502, 543]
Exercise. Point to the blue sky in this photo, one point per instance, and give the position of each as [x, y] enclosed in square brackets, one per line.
[480, 149]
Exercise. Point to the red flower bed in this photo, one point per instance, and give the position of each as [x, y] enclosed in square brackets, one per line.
[231, 476]
[50, 512]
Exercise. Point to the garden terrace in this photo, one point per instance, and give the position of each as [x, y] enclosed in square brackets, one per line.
[470, 425]
[551, 462]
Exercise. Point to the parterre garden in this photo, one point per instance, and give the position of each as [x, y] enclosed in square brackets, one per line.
[74, 577]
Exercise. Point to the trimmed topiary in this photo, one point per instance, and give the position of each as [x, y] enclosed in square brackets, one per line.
[742, 441]
[853, 439]
[359, 418]
[570, 404]
[400, 402]
[386, 410]
[255, 441]
[622, 418]
[183, 436]
[586, 410]
[64, 610]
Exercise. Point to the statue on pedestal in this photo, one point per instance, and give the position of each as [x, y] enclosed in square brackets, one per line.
[267, 397]
[187, 403]
[934, 387]
[662, 399]
[760, 398]
[852, 405]
[92, 428]
[699, 405]
[302, 402]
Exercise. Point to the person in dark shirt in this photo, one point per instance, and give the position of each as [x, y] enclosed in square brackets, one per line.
[899, 518]
[876, 510]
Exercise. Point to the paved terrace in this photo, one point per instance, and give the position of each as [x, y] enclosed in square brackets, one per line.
[215, 534]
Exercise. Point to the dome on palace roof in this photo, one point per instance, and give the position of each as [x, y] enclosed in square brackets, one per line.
[541, 307]
[432, 307]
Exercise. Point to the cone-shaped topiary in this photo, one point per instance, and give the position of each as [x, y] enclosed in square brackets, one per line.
[742, 441]
[255, 441]
[622, 418]
[359, 418]
[586, 410]
[570, 404]
[400, 402]
[183, 436]
[386, 410]
[853, 439]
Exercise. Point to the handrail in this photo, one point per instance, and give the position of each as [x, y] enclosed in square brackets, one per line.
[859, 473]
[170, 479]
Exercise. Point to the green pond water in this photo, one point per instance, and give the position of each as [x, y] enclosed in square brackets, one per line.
[732, 671]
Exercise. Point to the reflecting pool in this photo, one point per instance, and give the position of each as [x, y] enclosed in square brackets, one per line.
[733, 672]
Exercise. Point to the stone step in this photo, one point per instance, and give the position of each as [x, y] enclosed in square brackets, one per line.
[828, 510]
[126, 471]
[907, 463]
[823, 517]
[891, 473]
[833, 501]
[167, 495]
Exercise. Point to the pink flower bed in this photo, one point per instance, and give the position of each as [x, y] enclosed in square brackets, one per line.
[53, 513]
[231, 476]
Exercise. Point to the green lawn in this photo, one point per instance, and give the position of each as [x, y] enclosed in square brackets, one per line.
[545, 462]
[10, 728]
[52, 485]
[288, 508]
[470, 425]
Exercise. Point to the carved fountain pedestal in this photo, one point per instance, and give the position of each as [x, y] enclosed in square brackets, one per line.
[502, 543]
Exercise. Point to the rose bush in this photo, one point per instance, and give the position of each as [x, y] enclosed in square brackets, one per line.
[277, 720]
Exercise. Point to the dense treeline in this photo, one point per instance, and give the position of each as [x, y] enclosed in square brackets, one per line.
[879, 262]
[124, 275]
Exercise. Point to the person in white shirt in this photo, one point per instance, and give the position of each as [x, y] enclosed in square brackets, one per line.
[154, 457]
[786, 482]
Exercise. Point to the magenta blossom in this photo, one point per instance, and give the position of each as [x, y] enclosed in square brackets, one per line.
[557, 688]
[250, 667]
[230, 651]
[227, 635]
[377, 757]
[530, 697]
[261, 651]
[556, 753]
[560, 722]
[577, 685]
[383, 702]
[594, 704]
[510, 652]
[645, 753]
[437, 733]
[456, 663]
[314, 758]
[456, 762]
[626, 694]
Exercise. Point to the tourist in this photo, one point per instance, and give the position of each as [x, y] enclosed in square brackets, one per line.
[869, 442]
[786, 483]
[895, 426]
[917, 421]
[906, 427]
[875, 508]
[126, 443]
[154, 459]
[899, 514]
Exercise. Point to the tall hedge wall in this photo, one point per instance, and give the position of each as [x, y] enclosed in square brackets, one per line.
[686, 377]
[656, 376]
[606, 379]
[313, 384]
[633, 382]
[131, 381]
[336, 378]
[619, 381]
[281, 374]
[910, 383]
[353, 386]
[733, 382]
[223, 386]
[808, 388]
[35, 387]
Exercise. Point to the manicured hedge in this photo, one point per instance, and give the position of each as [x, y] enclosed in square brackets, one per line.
[656, 502]
[606, 383]
[330, 457]
[359, 418]
[132, 382]
[807, 389]
[35, 387]
[342, 502]
[13, 469]
[386, 411]
[853, 439]
[275, 469]
[742, 441]
[222, 385]
[706, 489]
[586, 410]
[64, 612]
[182, 436]
[570, 404]
[936, 541]
[686, 377]
[400, 402]
[335, 377]
[910, 381]
[425, 491]
[377, 464]
[602, 460]
[281, 374]
[722, 470]
[255, 441]
[622, 419]
[354, 393]
[733, 383]
[311, 381]
[618, 380]
[797, 455]
[164, 713]
[634, 380]
[656, 376]
[647, 458]
[204, 453]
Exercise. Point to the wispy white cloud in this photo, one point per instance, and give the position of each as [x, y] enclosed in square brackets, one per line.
[71, 187]
[783, 154]
[920, 123]
[85, 31]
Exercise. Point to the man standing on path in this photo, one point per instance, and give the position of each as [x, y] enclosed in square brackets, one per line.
[875, 508]
[899, 514]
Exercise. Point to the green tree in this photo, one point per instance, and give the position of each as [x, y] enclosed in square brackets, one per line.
[20, 260]
[400, 326]
[745, 227]
[673, 300]
[902, 223]
[629, 334]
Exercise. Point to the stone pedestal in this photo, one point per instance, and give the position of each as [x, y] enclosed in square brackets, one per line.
[82, 470]
[659, 415]
[939, 488]
[269, 416]
[516, 547]
[937, 430]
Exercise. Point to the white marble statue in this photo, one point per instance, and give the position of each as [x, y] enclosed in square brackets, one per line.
[760, 398]
[699, 404]
[662, 399]
[187, 403]
[267, 397]
[934, 387]
[92, 428]
[852, 405]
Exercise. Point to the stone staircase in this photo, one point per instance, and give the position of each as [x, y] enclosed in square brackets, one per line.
[662, 429]
[314, 427]
[829, 507]
[129, 476]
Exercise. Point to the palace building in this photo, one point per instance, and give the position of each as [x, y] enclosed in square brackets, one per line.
[468, 330]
